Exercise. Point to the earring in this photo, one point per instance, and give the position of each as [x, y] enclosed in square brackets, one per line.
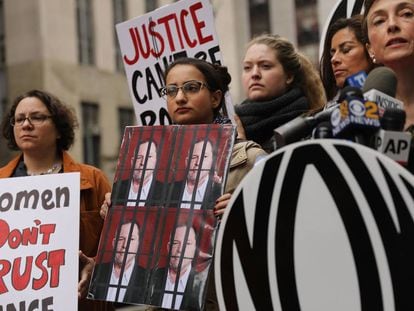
[374, 60]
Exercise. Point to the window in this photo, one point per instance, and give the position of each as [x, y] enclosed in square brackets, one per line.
[307, 22]
[2, 36]
[150, 5]
[126, 117]
[85, 32]
[308, 29]
[3, 89]
[259, 17]
[3, 93]
[91, 134]
[119, 9]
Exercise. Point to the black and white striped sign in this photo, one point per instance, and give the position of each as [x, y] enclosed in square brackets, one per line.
[319, 225]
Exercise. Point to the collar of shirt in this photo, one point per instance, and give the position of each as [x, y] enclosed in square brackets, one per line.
[199, 196]
[169, 288]
[126, 276]
[145, 189]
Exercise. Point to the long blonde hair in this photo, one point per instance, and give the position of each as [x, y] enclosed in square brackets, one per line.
[305, 76]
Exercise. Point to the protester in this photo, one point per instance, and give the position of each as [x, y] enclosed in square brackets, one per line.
[123, 279]
[280, 84]
[390, 30]
[42, 128]
[200, 103]
[344, 54]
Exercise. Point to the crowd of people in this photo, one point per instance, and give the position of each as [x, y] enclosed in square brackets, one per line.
[280, 83]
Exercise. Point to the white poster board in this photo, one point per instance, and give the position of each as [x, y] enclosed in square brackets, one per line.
[152, 41]
[39, 242]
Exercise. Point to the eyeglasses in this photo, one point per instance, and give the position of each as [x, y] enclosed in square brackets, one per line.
[33, 120]
[189, 88]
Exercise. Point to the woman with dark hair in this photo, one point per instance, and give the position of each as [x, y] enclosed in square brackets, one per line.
[217, 84]
[194, 92]
[42, 128]
[344, 54]
[390, 30]
[280, 84]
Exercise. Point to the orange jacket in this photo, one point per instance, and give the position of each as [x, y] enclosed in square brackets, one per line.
[93, 186]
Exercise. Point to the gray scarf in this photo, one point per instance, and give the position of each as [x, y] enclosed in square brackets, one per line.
[261, 118]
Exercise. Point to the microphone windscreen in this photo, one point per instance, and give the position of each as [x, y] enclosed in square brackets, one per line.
[349, 91]
[393, 119]
[382, 79]
[323, 130]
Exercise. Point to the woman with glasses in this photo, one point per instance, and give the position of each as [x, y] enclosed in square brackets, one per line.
[41, 127]
[280, 84]
[194, 93]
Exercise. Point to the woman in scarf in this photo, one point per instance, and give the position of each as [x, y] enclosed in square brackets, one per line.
[280, 84]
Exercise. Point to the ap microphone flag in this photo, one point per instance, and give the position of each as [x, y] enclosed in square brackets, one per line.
[390, 139]
[356, 80]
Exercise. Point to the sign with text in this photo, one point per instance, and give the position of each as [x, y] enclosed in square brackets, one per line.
[150, 42]
[39, 242]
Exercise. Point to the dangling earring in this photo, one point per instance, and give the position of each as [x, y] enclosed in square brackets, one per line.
[374, 60]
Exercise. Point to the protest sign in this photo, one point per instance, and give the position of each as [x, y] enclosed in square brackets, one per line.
[39, 242]
[157, 243]
[150, 42]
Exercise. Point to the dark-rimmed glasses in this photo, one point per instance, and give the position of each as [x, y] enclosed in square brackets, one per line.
[189, 88]
[36, 119]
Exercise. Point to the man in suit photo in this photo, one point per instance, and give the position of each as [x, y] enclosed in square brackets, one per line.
[179, 285]
[143, 189]
[201, 187]
[122, 279]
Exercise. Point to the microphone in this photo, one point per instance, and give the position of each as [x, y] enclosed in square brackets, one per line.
[300, 127]
[380, 87]
[356, 80]
[293, 131]
[323, 130]
[355, 118]
[390, 140]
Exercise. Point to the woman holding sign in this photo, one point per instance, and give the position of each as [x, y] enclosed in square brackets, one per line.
[41, 127]
[195, 94]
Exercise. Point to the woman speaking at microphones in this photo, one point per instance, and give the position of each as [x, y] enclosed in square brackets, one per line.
[389, 26]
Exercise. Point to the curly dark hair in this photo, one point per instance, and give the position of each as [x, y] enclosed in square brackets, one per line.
[63, 117]
[354, 24]
[217, 76]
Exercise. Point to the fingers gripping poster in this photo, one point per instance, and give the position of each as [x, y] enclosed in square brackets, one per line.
[39, 242]
[157, 244]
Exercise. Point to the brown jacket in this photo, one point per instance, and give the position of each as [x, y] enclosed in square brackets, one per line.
[243, 158]
[93, 186]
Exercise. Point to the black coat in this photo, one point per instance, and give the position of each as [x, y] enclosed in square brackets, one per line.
[213, 192]
[136, 289]
[193, 298]
[120, 192]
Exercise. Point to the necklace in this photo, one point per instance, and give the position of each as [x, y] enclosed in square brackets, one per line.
[55, 168]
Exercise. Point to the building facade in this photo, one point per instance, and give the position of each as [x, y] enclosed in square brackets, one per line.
[69, 47]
